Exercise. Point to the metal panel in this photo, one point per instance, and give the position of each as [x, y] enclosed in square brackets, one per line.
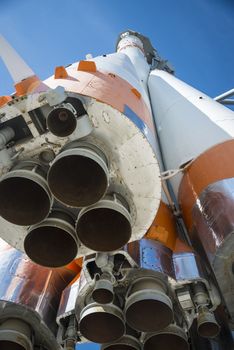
[213, 233]
[188, 121]
[187, 266]
[31, 292]
[152, 255]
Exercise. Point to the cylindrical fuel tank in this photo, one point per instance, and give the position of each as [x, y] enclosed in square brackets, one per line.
[210, 219]
[188, 121]
[31, 294]
[193, 127]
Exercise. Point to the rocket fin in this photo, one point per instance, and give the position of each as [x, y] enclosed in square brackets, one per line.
[16, 66]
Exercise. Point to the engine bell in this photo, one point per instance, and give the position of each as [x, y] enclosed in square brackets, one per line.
[147, 307]
[206, 323]
[105, 226]
[52, 242]
[25, 198]
[127, 342]
[61, 121]
[102, 323]
[78, 176]
[171, 337]
[16, 335]
[103, 291]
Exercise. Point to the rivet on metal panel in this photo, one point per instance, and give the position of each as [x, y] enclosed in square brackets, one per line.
[149, 257]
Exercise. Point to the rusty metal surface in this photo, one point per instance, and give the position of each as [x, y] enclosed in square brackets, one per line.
[212, 234]
[34, 287]
[152, 255]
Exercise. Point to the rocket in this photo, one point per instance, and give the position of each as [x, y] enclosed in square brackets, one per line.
[116, 206]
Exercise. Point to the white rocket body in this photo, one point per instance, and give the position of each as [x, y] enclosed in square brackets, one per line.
[115, 165]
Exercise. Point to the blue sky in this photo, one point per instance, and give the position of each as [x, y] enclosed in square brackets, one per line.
[196, 36]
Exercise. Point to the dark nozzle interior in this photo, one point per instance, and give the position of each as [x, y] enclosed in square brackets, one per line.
[50, 246]
[23, 201]
[77, 181]
[164, 341]
[61, 122]
[102, 327]
[208, 329]
[103, 229]
[102, 296]
[10, 345]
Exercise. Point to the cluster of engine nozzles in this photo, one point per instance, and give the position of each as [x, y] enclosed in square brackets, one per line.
[45, 197]
[145, 317]
[145, 320]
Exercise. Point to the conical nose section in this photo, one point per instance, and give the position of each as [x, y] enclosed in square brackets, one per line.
[148, 308]
[52, 242]
[103, 292]
[61, 121]
[102, 323]
[15, 335]
[206, 324]
[172, 337]
[24, 195]
[105, 226]
[78, 176]
[127, 342]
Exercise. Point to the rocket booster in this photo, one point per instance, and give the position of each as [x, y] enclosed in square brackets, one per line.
[118, 167]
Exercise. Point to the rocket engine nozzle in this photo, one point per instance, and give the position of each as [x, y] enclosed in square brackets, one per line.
[25, 196]
[15, 334]
[61, 121]
[105, 226]
[127, 342]
[172, 337]
[148, 308]
[207, 326]
[103, 291]
[78, 177]
[52, 242]
[102, 323]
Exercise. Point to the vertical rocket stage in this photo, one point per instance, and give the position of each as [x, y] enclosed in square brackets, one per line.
[116, 180]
